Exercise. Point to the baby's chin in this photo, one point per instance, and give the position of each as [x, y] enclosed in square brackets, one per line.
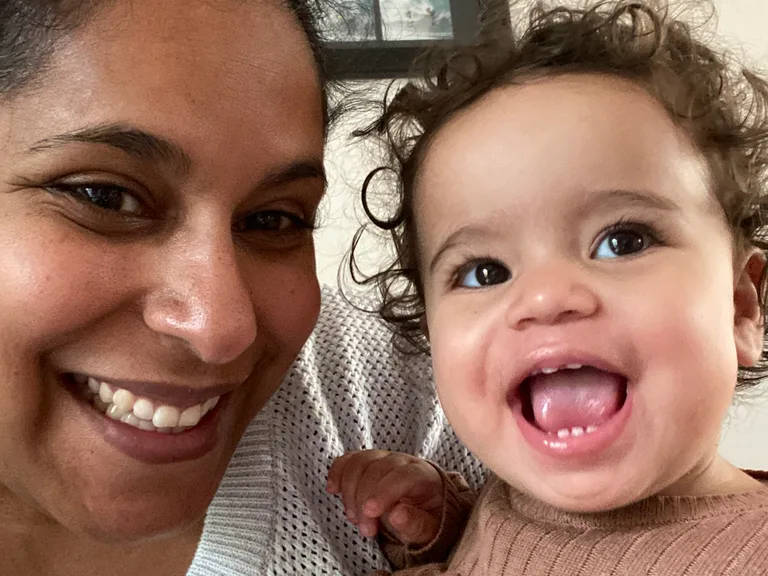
[580, 492]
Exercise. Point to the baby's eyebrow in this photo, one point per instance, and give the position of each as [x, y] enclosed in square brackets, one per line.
[478, 232]
[618, 198]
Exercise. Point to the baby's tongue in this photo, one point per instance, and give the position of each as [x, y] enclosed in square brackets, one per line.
[571, 398]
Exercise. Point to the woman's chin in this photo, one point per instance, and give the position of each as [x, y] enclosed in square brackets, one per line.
[111, 523]
[125, 505]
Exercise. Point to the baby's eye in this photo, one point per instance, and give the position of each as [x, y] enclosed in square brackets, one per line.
[485, 273]
[104, 196]
[623, 242]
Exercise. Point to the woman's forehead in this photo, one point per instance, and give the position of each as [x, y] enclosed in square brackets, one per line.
[210, 76]
[250, 43]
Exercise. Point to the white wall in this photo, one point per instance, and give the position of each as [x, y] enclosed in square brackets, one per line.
[740, 23]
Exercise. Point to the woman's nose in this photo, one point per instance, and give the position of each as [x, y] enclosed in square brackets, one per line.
[553, 294]
[204, 300]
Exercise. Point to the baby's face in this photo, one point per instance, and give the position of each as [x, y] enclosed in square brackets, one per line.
[586, 312]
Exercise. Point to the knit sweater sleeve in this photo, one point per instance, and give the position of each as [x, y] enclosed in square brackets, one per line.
[458, 500]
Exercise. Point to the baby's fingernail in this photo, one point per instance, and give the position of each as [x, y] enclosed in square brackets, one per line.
[330, 487]
[367, 530]
[370, 508]
[352, 517]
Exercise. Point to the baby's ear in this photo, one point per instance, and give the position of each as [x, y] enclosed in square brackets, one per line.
[748, 313]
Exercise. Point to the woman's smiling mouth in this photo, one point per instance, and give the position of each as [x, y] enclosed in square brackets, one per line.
[141, 412]
[155, 423]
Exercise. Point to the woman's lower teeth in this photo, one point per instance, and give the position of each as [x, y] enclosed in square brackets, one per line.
[120, 404]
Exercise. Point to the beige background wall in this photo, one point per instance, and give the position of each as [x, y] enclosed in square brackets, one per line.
[740, 22]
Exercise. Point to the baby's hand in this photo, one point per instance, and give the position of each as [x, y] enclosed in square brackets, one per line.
[402, 492]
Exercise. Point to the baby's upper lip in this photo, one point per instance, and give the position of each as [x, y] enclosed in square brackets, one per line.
[182, 394]
[552, 359]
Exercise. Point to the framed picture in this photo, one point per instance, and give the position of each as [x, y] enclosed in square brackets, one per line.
[381, 38]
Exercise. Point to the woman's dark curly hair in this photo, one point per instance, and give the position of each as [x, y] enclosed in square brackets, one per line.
[721, 106]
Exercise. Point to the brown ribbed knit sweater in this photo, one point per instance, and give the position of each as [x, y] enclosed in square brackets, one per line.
[512, 534]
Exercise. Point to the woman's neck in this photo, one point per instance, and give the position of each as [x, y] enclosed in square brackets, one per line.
[32, 543]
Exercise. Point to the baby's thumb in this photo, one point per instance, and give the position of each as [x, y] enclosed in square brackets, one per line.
[413, 525]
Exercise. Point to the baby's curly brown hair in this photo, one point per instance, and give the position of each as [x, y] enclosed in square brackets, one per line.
[720, 105]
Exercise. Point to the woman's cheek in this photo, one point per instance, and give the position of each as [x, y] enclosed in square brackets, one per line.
[286, 297]
[55, 281]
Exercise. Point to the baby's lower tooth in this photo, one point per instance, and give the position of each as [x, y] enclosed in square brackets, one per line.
[591, 429]
[577, 431]
[564, 433]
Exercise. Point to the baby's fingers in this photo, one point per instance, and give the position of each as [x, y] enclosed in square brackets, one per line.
[417, 483]
[336, 472]
[345, 475]
[413, 525]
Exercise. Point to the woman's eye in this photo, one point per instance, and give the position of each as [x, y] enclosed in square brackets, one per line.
[106, 197]
[271, 221]
[485, 273]
[620, 243]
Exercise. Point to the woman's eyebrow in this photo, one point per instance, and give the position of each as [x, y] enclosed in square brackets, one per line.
[138, 143]
[298, 170]
[146, 146]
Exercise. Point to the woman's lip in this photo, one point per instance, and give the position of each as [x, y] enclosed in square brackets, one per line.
[157, 447]
[585, 446]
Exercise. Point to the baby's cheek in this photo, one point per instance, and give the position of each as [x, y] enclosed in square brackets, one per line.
[459, 363]
[469, 381]
[685, 344]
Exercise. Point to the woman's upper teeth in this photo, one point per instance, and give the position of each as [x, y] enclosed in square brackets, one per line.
[122, 404]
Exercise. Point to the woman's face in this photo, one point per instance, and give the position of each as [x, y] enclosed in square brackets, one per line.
[157, 190]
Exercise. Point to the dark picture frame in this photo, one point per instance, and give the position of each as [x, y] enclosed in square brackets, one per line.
[379, 58]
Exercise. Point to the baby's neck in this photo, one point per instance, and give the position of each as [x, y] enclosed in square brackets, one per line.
[715, 477]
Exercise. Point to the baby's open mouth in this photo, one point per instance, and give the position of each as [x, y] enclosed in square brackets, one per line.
[572, 400]
[138, 411]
